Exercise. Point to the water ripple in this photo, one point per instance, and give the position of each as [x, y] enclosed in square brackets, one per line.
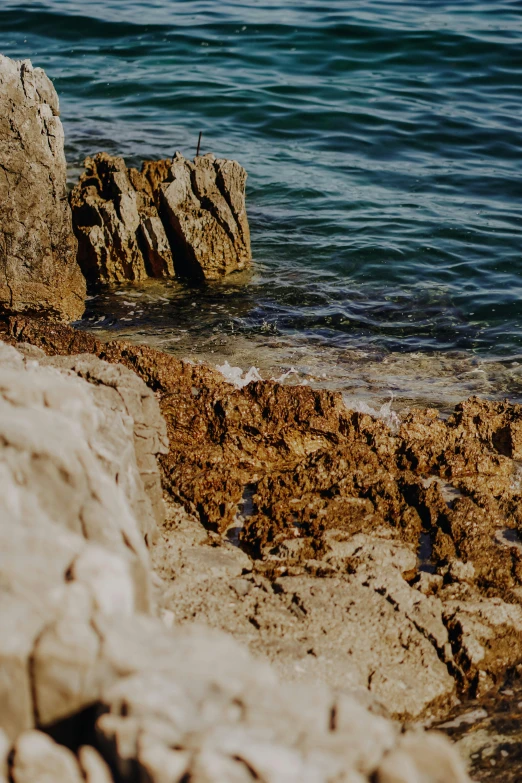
[383, 142]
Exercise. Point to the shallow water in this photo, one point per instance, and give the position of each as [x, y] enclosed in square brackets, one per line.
[215, 325]
[488, 734]
[383, 145]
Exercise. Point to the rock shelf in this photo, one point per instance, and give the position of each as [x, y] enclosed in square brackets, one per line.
[339, 506]
[98, 683]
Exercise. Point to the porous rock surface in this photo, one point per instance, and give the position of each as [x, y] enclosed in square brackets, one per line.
[203, 207]
[381, 560]
[38, 268]
[120, 235]
[84, 661]
[173, 217]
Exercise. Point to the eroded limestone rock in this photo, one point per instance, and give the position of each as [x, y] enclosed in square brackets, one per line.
[368, 630]
[70, 544]
[418, 757]
[203, 207]
[419, 526]
[119, 416]
[38, 268]
[157, 703]
[37, 759]
[336, 496]
[121, 396]
[175, 216]
[93, 766]
[120, 236]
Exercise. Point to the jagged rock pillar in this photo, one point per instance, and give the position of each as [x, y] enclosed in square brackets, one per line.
[175, 217]
[203, 208]
[119, 232]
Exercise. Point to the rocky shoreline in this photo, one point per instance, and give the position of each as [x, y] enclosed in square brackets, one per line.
[207, 583]
[109, 658]
[335, 495]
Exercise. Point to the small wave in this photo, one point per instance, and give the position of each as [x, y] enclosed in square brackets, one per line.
[385, 412]
[237, 376]
[240, 377]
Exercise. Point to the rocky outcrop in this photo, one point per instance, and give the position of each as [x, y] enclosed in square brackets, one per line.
[130, 433]
[96, 687]
[38, 268]
[203, 207]
[63, 521]
[120, 235]
[173, 217]
[366, 631]
[122, 396]
[37, 759]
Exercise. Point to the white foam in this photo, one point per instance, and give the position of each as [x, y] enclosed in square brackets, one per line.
[237, 376]
[284, 376]
[385, 412]
[240, 377]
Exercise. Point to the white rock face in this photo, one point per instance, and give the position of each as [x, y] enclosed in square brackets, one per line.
[71, 493]
[131, 432]
[79, 631]
[37, 759]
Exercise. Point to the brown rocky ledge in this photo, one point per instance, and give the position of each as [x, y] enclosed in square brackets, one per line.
[380, 560]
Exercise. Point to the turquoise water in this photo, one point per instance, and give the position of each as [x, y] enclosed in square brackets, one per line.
[383, 142]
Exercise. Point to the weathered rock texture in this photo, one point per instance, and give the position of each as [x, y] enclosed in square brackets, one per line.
[129, 452]
[37, 759]
[81, 665]
[388, 561]
[172, 217]
[203, 207]
[64, 520]
[120, 235]
[38, 268]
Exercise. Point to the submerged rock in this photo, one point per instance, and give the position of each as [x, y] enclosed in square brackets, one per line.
[38, 268]
[173, 217]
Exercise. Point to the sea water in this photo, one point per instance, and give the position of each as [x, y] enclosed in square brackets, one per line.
[383, 145]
